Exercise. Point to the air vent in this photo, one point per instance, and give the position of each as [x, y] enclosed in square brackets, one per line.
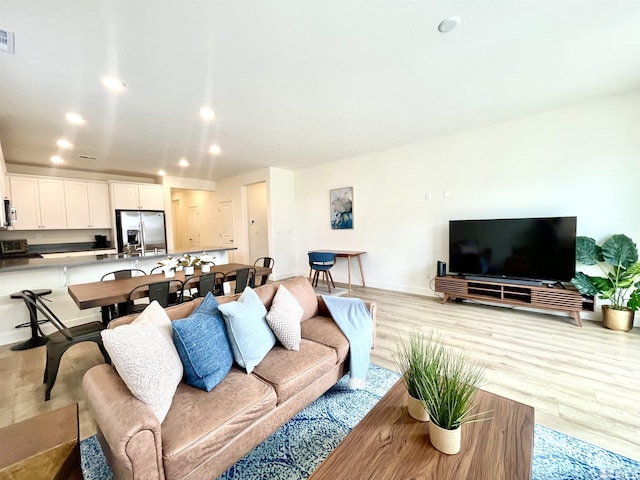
[7, 43]
[87, 157]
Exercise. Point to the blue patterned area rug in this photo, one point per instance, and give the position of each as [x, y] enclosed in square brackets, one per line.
[299, 446]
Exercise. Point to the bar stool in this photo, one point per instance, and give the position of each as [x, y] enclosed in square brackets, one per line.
[36, 339]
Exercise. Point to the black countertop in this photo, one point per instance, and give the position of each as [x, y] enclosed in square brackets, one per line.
[18, 264]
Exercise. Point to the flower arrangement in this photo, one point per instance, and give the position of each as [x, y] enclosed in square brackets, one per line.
[206, 259]
[188, 260]
[168, 264]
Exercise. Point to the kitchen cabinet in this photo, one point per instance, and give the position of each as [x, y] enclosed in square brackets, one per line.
[137, 196]
[39, 202]
[87, 204]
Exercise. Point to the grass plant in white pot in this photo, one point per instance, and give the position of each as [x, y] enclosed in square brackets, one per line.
[448, 393]
[415, 360]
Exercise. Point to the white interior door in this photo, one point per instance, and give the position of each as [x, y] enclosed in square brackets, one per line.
[225, 211]
[194, 226]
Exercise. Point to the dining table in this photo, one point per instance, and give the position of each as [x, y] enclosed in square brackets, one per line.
[110, 292]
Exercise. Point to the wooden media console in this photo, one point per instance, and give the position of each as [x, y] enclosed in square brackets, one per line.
[543, 297]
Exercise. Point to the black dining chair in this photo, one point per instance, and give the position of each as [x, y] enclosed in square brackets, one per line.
[65, 338]
[322, 262]
[266, 262]
[243, 277]
[166, 293]
[119, 309]
[198, 285]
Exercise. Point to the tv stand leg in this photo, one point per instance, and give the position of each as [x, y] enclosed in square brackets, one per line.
[445, 297]
[576, 317]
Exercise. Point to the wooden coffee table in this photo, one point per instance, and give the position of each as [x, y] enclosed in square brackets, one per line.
[45, 447]
[389, 444]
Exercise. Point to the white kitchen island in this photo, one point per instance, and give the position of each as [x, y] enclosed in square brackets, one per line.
[57, 274]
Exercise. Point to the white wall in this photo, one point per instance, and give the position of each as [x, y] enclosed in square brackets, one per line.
[582, 160]
[282, 219]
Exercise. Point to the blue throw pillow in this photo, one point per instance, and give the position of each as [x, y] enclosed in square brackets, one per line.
[249, 334]
[202, 343]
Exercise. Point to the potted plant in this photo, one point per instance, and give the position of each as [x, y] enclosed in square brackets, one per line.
[415, 359]
[169, 266]
[617, 258]
[189, 262]
[448, 393]
[205, 261]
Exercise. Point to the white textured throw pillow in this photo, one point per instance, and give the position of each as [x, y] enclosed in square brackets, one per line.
[284, 318]
[146, 359]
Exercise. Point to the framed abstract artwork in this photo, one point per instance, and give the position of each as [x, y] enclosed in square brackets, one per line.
[341, 204]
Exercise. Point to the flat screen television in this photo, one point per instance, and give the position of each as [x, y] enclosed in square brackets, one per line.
[538, 249]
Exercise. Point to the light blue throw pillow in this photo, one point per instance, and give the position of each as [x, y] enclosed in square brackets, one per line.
[249, 334]
[202, 343]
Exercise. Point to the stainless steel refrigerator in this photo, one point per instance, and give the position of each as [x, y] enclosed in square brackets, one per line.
[141, 232]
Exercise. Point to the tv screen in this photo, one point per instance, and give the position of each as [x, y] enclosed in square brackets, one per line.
[526, 248]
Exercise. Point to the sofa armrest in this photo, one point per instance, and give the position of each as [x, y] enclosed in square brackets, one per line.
[371, 306]
[130, 429]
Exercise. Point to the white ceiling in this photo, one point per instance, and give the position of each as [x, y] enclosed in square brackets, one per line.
[293, 83]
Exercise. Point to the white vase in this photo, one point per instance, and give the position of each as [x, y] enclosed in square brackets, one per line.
[446, 441]
[169, 273]
[416, 409]
[205, 268]
[189, 270]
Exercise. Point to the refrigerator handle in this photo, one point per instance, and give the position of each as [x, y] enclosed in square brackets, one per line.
[143, 245]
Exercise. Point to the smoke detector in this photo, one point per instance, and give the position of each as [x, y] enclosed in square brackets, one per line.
[7, 41]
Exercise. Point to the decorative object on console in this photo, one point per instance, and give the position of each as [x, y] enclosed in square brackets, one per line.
[414, 359]
[618, 260]
[447, 389]
[341, 203]
[169, 266]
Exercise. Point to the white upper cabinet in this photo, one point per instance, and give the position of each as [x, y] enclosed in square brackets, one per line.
[39, 202]
[137, 196]
[87, 204]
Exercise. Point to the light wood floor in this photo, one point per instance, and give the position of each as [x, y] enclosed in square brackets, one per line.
[582, 381]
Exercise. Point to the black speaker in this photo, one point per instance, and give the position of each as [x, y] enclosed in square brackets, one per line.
[441, 268]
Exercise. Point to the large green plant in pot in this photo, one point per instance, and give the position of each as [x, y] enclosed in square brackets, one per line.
[620, 285]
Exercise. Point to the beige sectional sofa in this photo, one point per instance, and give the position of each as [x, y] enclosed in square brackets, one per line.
[204, 433]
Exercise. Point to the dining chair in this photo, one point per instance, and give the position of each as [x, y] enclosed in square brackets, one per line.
[163, 292]
[60, 341]
[243, 277]
[206, 282]
[266, 262]
[119, 309]
[322, 262]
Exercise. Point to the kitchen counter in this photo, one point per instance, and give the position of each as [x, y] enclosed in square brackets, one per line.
[18, 264]
[57, 274]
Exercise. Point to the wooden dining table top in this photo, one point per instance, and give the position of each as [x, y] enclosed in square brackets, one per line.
[109, 292]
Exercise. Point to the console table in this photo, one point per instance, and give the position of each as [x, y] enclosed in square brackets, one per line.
[548, 298]
[347, 254]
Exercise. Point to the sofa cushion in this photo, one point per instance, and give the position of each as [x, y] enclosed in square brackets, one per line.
[249, 335]
[324, 330]
[284, 318]
[201, 423]
[146, 359]
[289, 372]
[301, 289]
[202, 343]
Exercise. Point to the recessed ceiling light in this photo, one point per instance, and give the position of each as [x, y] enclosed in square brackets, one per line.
[162, 173]
[448, 24]
[214, 149]
[64, 143]
[56, 159]
[207, 114]
[183, 162]
[75, 119]
[113, 84]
